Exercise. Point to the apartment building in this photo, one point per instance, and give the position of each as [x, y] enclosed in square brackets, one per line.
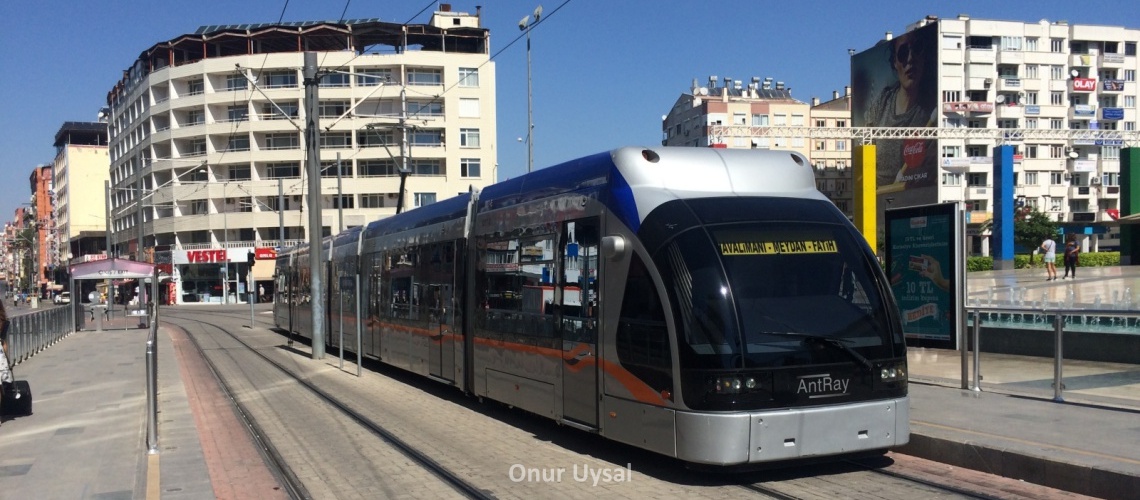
[79, 174]
[206, 129]
[1052, 78]
[724, 114]
[763, 114]
[831, 153]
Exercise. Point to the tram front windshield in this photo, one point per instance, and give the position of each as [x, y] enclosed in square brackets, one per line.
[758, 294]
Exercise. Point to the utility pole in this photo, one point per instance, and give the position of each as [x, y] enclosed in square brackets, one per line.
[403, 148]
[280, 214]
[312, 141]
[339, 197]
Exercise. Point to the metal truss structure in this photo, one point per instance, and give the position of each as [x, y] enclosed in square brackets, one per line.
[867, 135]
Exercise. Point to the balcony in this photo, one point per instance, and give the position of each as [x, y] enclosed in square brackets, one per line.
[1080, 192]
[981, 55]
[1010, 57]
[1075, 216]
[1009, 83]
[1082, 60]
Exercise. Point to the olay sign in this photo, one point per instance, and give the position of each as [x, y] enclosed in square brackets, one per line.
[1084, 84]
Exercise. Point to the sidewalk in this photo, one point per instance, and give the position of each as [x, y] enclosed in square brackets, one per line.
[87, 436]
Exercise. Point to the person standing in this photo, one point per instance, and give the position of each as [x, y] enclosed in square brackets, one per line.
[1072, 254]
[261, 293]
[1049, 248]
[5, 368]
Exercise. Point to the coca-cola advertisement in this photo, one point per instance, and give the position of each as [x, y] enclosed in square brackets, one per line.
[895, 84]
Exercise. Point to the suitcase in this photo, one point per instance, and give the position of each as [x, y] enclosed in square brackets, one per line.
[17, 399]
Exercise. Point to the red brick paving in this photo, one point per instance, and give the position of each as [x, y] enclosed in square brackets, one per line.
[237, 469]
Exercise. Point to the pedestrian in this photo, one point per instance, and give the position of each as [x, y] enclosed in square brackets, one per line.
[5, 369]
[1072, 255]
[261, 293]
[1049, 247]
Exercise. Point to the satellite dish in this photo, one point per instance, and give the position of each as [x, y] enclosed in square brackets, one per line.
[1074, 73]
[1000, 99]
[704, 91]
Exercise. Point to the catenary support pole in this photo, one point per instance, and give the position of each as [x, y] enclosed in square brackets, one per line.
[316, 262]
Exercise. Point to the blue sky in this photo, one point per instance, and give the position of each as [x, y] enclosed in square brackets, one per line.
[604, 72]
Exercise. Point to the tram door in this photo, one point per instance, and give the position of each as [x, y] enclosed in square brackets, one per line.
[576, 295]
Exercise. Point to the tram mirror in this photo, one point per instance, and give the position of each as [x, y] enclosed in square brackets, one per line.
[613, 247]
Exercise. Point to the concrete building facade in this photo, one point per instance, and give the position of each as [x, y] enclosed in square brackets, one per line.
[207, 129]
[79, 174]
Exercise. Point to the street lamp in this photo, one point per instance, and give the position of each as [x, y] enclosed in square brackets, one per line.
[526, 25]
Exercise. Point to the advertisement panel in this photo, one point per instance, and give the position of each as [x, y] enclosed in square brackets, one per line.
[895, 84]
[1112, 113]
[923, 260]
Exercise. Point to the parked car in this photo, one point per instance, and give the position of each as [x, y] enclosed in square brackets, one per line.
[62, 298]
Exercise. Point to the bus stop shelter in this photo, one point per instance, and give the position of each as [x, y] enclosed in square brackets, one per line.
[111, 269]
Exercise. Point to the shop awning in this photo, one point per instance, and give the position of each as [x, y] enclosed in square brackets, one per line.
[116, 269]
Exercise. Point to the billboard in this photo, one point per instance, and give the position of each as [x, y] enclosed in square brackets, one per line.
[895, 84]
[924, 259]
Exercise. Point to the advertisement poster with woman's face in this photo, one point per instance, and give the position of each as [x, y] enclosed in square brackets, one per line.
[895, 84]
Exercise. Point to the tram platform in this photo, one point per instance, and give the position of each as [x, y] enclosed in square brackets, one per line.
[87, 435]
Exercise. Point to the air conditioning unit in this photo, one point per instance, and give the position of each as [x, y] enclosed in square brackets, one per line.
[297, 198]
[1094, 180]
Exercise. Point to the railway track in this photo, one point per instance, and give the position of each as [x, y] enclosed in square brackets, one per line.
[393, 432]
[293, 483]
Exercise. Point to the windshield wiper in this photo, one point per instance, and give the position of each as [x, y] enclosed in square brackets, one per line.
[833, 343]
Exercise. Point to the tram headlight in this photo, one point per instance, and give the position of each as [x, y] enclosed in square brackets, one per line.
[734, 384]
[892, 372]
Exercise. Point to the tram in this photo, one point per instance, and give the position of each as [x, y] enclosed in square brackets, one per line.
[706, 304]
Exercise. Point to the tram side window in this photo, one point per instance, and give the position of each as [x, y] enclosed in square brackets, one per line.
[642, 335]
[515, 287]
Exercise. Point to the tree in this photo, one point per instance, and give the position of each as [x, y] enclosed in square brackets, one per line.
[1030, 228]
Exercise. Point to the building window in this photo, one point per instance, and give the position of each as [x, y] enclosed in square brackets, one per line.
[371, 77]
[282, 171]
[426, 138]
[280, 79]
[236, 82]
[759, 120]
[1031, 98]
[1129, 126]
[797, 120]
[976, 179]
[1030, 123]
[951, 151]
[344, 201]
[336, 139]
[951, 179]
[951, 95]
[1055, 204]
[1031, 178]
[468, 107]
[468, 77]
[282, 141]
[195, 87]
[470, 167]
[841, 123]
[372, 200]
[1056, 72]
[1057, 98]
[1130, 101]
[780, 120]
[469, 138]
[738, 119]
[332, 109]
[270, 112]
[821, 145]
[1129, 75]
[334, 80]
[238, 113]
[238, 143]
[1057, 45]
[424, 76]
[821, 123]
[1031, 151]
[425, 167]
[841, 145]
[1031, 43]
[373, 137]
[1056, 151]
[421, 109]
[377, 168]
[1056, 123]
[423, 199]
